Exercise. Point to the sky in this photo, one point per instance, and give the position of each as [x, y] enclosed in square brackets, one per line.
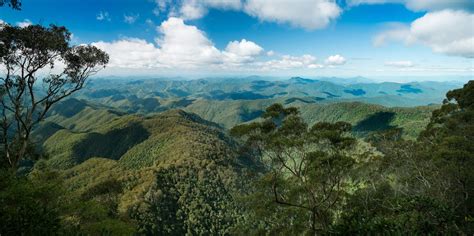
[197, 38]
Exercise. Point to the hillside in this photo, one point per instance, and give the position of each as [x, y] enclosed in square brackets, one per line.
[231, 113]
[134, 140]
[128, 162]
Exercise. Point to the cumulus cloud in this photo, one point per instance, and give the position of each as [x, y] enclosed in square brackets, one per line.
[308, 14]
[193, 9]
[448, 31]
[24, 23]
[178, 46]
[243, 48]
[335, 60]
[287, 62]
[131, 53]
[185, 45]
[421, 5]
[400, 64]
[434, 5]
[130, 19]
[103, 16]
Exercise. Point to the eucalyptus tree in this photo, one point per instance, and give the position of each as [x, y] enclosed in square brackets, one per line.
[307, 169]
[39, 68]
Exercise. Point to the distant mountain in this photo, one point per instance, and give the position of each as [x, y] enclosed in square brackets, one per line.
[231, 101]
[157, 95]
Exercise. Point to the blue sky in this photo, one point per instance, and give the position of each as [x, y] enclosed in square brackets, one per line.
[372, 38]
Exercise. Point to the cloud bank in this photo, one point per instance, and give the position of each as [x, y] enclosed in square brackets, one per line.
[449, 32]
[183, 46]
[307, 14]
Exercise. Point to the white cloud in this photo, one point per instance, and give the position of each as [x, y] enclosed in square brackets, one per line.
[335, 60]
[130, 19]
[450, 32]
[240, 52]
[308, 14]
[24, 23]
[422, 5]
[400, 64]
[434, 5]
[185, 45]
[288, 62]
[178, 46]
[270, 53]
[131, 53]
[103, 16]
[193, 9]
[244, 48]
[315, 66]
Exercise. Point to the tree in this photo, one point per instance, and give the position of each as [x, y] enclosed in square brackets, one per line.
[40, 69]
[14, 4]
[448, 143]
[307, 170]
[423, 186]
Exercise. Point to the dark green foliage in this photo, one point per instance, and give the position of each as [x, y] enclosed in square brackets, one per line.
[376, 122]
[26, 95]
[40, 204]
[416, 187]
[292, 177]
[29, 207]
[448, 144]
[112, 144]
[308, 170]
[380, 210]
[187, 199]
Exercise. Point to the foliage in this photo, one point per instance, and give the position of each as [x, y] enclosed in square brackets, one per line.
[191, 199]
[308, 170]
[26, 98]
[448, 144]
[39, 204]
[29, 207]
[175, 173]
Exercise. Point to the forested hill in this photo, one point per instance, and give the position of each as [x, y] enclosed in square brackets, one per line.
[82, 115]
[174, 166]
[175, 172]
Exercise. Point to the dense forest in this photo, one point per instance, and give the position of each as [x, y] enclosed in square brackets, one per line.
[130, 165]
[275, 176]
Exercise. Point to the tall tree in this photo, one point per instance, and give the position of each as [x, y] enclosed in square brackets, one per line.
[307, 170]
[40, 69]
[448, 142]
